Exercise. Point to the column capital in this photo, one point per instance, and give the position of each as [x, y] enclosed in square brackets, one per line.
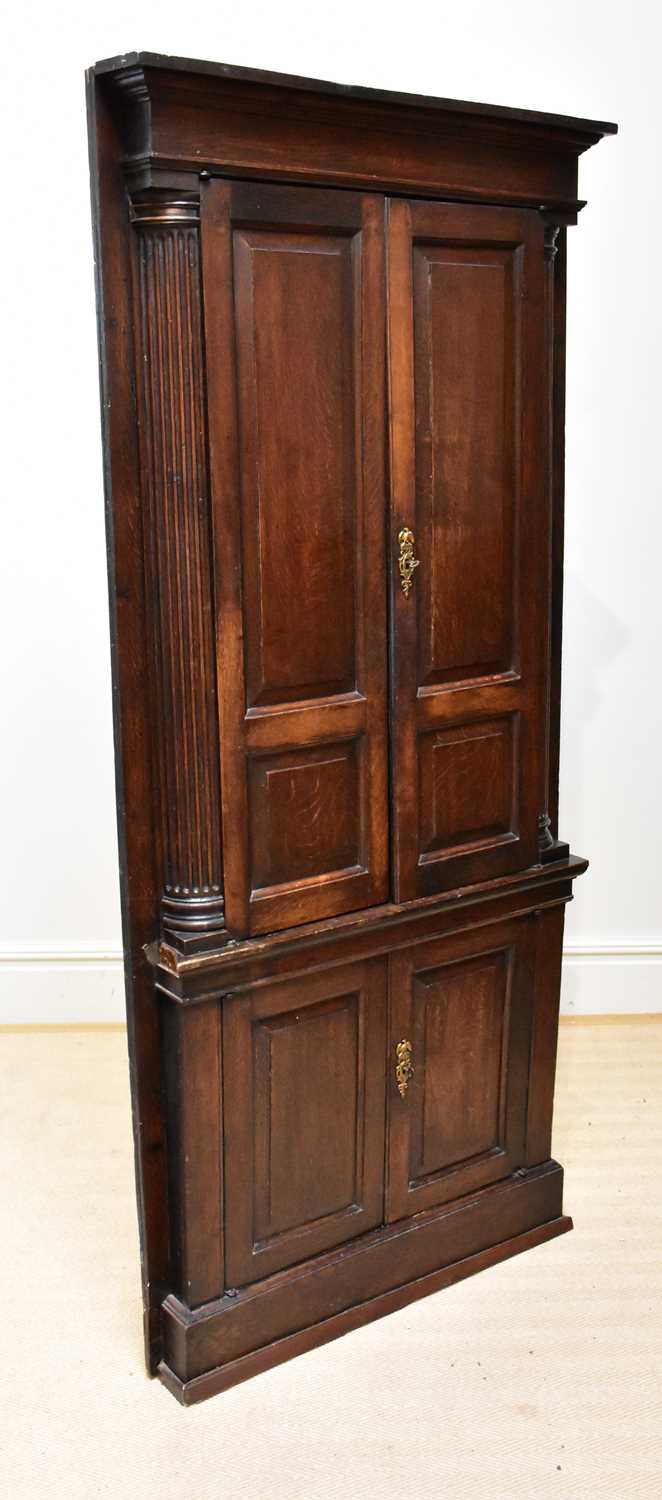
[162, 207]
[551, 240]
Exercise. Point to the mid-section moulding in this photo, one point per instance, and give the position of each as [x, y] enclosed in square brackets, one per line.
[189, 980]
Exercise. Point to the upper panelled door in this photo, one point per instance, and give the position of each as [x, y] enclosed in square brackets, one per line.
[466, 363]
[295, 325]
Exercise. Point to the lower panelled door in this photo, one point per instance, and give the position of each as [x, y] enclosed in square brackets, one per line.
[461, 1019]
[304, 1108]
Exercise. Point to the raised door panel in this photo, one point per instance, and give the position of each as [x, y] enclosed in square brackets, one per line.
[295, 326]
[304, 1091]
[458, 1111]
[466, 345]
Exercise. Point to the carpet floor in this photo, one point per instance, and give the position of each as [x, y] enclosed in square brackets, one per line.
[540, 1377]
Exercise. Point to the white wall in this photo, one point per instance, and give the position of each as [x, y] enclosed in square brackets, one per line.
[59, 948]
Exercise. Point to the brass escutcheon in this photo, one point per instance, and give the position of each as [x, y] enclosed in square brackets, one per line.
[406, 560]
[404, 1067]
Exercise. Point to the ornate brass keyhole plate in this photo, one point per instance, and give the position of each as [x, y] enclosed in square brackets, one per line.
[407, 563]
[404, 1067]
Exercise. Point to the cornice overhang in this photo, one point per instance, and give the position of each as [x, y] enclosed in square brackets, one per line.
[178, 119]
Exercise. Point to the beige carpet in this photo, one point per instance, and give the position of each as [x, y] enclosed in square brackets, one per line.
[538, 1378]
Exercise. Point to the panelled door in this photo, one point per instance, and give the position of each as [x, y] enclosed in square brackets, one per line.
[460, 1030]
[304, 1064]
[469, 541]
[296, 310]
[294, 303]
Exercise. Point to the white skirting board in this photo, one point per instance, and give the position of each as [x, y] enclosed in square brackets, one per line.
[59, 987]
[616, 978]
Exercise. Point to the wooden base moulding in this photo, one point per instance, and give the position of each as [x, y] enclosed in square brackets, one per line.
[246, 1332]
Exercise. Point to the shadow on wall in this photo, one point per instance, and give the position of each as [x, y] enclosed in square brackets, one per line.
[593, 637]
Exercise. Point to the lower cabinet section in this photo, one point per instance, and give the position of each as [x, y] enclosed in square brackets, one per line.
[384, 1128]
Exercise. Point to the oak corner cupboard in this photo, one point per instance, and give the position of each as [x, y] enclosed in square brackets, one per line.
[331, 326]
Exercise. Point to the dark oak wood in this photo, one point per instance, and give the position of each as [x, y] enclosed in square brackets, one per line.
[542, 1064]
[329, 315]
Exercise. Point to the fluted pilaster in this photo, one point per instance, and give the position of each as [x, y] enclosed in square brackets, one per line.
[171, 403]
[550, 848]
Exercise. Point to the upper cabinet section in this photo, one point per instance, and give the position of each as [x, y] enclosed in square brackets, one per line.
[294, 746]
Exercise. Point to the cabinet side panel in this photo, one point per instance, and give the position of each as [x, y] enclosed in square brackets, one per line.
[549, 945]
[558, 501]
[138, 879]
